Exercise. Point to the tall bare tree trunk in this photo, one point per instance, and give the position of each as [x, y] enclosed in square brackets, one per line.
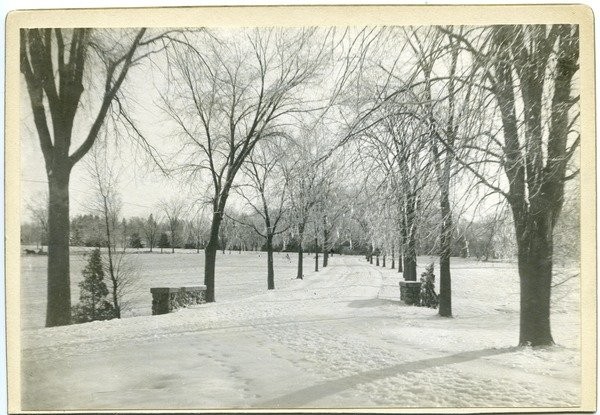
[300, 274]
[536, 171]
[410, 252]
[443, 162]
[445, 251]
[58, 307]
[410, 268]
[316, 255]
[210, 254]
[269, 240]
[270, 270]
[535, 250]
[401, 252]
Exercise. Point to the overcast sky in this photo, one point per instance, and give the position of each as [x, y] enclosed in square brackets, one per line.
[141, 185]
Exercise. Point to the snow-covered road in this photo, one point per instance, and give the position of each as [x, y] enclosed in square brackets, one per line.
[339, 338]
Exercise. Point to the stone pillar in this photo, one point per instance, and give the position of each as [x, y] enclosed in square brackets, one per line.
[168, 299]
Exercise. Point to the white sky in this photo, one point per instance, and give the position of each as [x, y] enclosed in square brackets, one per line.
[141, 187]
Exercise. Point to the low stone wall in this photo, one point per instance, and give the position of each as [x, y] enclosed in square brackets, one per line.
[166, 299]
[410, 291]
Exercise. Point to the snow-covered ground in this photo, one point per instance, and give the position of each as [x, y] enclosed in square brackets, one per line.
[339, 338]
[240, 275]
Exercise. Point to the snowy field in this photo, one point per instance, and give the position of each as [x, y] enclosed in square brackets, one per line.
[240, 275]
[340, 338]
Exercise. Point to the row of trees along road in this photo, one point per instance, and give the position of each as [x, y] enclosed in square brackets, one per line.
[381, 137]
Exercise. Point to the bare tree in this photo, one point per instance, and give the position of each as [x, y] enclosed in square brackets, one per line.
[332, 204]
[537, 171]
[108, 204]
[232, 91]
[197, 227]
[151, 231]
[237, 231]
[429, 49]
[54, 63]
[174, 210]
[530, 71]
[384, 112]
[400, 139]
[302, 178]
[269, 187]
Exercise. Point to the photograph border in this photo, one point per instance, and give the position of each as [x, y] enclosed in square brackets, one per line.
[294, 16]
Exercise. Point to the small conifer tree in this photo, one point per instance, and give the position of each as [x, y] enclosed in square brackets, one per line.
[428, 297]
[93, 303]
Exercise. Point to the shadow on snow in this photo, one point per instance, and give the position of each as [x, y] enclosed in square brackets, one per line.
[313, 393]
